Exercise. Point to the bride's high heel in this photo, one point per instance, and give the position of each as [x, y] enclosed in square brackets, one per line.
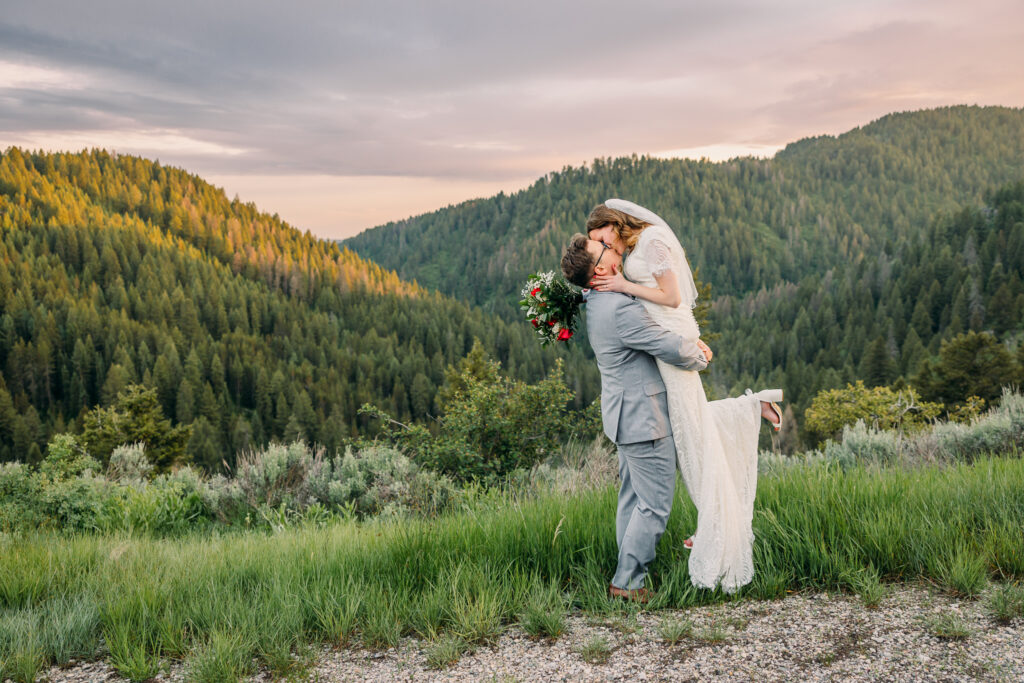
[767, 395]
[770, 396]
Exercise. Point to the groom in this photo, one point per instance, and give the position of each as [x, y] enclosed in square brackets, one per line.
[634, 409]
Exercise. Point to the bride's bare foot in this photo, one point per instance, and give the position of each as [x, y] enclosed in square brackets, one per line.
[769, 411]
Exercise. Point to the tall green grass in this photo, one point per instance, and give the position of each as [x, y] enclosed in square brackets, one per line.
[227, 603]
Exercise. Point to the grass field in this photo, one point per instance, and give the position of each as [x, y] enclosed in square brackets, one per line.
[218, 601]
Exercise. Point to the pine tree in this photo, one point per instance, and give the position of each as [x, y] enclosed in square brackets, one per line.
[913, 353]
[971, 364]
[185, 403]
[877, 367]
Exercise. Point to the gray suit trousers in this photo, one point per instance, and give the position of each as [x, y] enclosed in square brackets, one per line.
[647, 470]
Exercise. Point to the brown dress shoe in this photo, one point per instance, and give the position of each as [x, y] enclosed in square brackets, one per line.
[636, 594]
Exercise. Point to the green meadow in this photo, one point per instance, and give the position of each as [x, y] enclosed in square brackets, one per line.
[226, 602]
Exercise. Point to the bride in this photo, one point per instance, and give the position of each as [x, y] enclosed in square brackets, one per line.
[716, 441]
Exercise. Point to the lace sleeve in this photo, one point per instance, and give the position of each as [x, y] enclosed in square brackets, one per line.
[658, 256]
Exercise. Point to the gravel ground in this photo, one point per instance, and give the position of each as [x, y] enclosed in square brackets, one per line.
[809, 637]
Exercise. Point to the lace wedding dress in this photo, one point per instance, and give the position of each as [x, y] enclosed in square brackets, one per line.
[716, 441]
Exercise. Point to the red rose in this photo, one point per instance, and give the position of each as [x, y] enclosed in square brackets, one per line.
[533, 292]
[535, 323]
[564, 334]
[551, 323]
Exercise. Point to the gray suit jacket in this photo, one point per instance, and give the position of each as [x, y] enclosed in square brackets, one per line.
[626, 340]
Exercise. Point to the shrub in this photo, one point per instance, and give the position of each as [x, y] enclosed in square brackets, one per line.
[380, 479]
[833, 410]
[19, 497]
[65, 459]
[276, 474]
[129, 464]
[293, 477]
[863, 444]
[63, 493]
[1000, 430]
[170, 504]
[507, 424]
[492, 425]
[74, 504]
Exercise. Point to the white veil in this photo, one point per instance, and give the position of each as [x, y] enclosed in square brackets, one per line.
[687, 287]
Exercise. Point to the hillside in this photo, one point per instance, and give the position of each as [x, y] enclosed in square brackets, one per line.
[118, 270]
[893, 236]
[879, 317]
[746, 223]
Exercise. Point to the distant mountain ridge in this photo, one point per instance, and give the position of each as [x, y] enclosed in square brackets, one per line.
[746, 223]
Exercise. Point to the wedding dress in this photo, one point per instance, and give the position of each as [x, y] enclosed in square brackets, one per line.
[716, 441]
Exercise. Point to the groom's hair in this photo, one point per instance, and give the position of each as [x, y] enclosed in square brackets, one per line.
[577, 263]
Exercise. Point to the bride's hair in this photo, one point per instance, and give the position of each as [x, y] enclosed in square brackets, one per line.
[626, 227]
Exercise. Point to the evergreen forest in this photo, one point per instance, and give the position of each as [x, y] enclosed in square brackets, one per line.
[846, 258]
[840, 258]
[117, 271]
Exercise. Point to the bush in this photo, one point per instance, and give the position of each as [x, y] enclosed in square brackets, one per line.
[1000, 430]
[129, 464]
[278, 485]
[65, 459]
[863, 444]
[293, 477]
[380, 479]
[74, 504]
[19, 497]
[492, 425]
[62, 493]
[170, 504]
[834, 410]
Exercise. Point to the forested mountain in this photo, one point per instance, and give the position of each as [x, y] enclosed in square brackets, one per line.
[840, 257]
[746, 223]
[116, 270]
[877, 318]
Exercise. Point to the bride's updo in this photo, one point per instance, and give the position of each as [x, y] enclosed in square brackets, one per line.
[625, 226]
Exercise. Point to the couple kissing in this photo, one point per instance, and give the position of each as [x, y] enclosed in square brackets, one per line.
[640, 323]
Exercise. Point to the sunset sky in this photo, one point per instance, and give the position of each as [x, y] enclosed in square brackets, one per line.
[340, 116]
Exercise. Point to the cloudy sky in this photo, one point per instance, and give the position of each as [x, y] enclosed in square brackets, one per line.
[341, 115]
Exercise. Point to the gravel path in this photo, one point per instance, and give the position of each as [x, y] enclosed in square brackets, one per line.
[810, 637]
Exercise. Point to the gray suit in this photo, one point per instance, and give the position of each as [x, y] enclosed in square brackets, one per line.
[634, 409]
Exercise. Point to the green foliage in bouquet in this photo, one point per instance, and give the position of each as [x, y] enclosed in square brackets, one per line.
[552, 306]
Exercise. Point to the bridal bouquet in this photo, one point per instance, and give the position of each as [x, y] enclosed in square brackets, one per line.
[552, 306]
